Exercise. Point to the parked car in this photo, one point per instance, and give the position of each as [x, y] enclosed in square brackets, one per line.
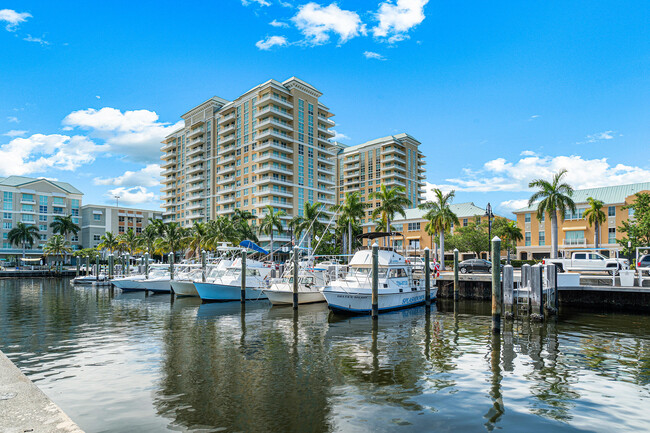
[643, 264]
[588, 261]
[474, 265]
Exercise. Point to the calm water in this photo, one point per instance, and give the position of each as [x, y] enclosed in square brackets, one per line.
[128, 362]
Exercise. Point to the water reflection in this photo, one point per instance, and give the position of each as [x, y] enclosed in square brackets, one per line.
[131, 362]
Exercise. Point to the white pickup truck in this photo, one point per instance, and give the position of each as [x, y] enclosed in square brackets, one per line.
[589, 261]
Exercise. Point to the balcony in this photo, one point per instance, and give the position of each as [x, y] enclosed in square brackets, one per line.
[393, 150]
[194, 205]
[351, 167]
[227, 139]
[268, 110]
[285, 205]
[325, 180]
[270, 156]
[197, 141]
[271, 97]
[273, 191]
[227, 129]
[274, 169]
[574, 242]
[195, 132]
[195, 187]
[168, 155]
[195, 151]
[168, 163]
[228, 117]
[195, 169]
[325, 131]
[226, 189]
[325, 120]
[325, 161]
[394, 181]
[228, 200]
[167, 188]
[227, 169]
[168, 146]
[275, 180]
[270, 144]
[270, 121]
[393, 158]
[327, 150]
[225, 211]
[270, 133]
[168, 172]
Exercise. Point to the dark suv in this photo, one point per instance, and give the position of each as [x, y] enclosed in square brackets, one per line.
[474, 265]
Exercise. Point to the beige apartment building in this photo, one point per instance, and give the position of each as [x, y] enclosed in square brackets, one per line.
[393, 161]
[270, 146]
[573, 230]
[99, 219]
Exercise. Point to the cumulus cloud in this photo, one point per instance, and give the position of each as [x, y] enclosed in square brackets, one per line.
[39, 152]
[15, 133]
[13, 18]
[136, 195]
[276, 23]
[270, 42]
[317, 23]
[148, 176]
[257, 2]
[338, 136]
[502, 175]
[528, 153]
[514, 204]
[397, 18]
[372, 55]
[135, 133]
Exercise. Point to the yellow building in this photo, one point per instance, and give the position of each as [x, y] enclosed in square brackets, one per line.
[573, 229]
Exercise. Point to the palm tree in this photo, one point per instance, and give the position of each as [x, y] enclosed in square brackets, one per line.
[157, 225]
[197, 239]
[23, 234]
[392, 201]
[57, 245]
[272, 221]
[147, 239]
[350, 212]
[595, 217]
[510, 235]
[108, 242]
[240, 220]
[440, 217]
[309, 222]
[552, 197]
[173, 239]
[221, 229]
[295, 226]
[129, 240]
[64, 225]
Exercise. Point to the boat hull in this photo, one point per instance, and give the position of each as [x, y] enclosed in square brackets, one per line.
[127, 284]
[184, 288]
[156, 286]
[361, 303]
[278, 297]
[223, 293]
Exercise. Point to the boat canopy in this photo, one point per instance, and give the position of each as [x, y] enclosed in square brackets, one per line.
[363, 259]
[249, 264]
[375, 235]
[253, 246]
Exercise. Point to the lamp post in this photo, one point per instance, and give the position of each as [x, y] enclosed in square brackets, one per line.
[490, 216]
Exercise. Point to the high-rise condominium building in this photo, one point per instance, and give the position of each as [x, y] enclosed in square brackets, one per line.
[392, 161]
[36, 202]
[270, 146]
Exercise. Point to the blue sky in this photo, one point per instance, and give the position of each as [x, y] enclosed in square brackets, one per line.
[497, 92]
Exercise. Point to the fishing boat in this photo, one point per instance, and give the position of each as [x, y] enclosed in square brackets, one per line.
[134, 282]
[398, 285]
[88, 279]
[227, 287]
[183, 285]
[310, 283]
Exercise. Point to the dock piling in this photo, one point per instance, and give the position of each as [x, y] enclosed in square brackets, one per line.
[87, 266]
[204, 266]
[111, 264]
[128, 265]
[243, 276]
[508, 291]
[295, 277]
[536, 291]
[497, 294]
[97, 267]
[171, 265]
[375, 281]
[456, 282]
[551, 297]
[78, 266]
[427, 278]
[146, 266]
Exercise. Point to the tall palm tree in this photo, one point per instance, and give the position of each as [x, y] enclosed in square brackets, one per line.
[272, 222]
[240, 220]
[595, 217]
[440, 217]
[309, 223]
[64, 225]
[392, 201]
[23, 234]
[129, 240]
[197, 238]
[511, 234]
[350, 212]
[220, 230]
[108, 242]
[295, 226]
[157, 225]
[173, 238]
[57, 245]
[552, 197]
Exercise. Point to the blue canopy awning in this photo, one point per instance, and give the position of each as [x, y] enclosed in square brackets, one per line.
[253, 246]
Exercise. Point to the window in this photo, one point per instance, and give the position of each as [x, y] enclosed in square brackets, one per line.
[42, 209]
[28, 218]
[42, 227]
[6, 215]
[6, 226]
[97, 217]
[28, 208]
[611, 211]
[28, 197]
[542, 238]
[527, 218]
[8, 197]
[630, 212]
[42, 218]
[97, 237]
[74, 212]
[60, 201]
[413, 227]
[7, 206]
[121, 229]
[611, 235]
[42, 200]
[574, 237]
[527, 239]
[464, 222]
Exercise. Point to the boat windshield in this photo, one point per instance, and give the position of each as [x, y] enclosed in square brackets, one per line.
[365, 273]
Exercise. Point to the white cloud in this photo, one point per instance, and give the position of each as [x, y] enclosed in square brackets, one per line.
[12, 119]
[396, 19]
[15, 133]
[39, 153]
[13, 18]
[148, 176]
[592, 138]
[372, 55]
[533, 117]
[339, 136]
[502, 175]
[98, 97]
[30, 38]
[317, 23]
[528, 153]
[135, 133]
[136, 195]
[276, 23]
[257, 2]
[514, 204]
[270, 42]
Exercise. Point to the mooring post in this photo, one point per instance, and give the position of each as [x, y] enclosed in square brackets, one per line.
[243, 276]
[97, 268]
[497, 294]
[171, 265]
[146, 265]
[536, 290]
[456, 282]
[295, 277]
[87, 265]
[204, 265]
[78, 261]
[128, 265]
[427, 278]
[551, 297]
[110, 266]
[508, 291]
[375, 281]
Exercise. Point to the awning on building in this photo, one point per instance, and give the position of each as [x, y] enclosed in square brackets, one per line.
[570, 229]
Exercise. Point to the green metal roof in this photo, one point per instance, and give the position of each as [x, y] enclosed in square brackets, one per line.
[462, 210]
[17, 181]
[607, 194]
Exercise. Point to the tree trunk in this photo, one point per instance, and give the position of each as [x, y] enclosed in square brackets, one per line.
[597, 235]
[554, 235]
[508, 254]
[271, 245]
[390, 238]
[442, 250]
[349, 237]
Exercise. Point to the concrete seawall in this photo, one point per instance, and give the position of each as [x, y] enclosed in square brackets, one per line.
[25, 408]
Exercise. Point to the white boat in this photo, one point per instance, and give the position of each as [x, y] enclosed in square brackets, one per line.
[398, 287]
[310, 283]
[183, 284]
[134, 282]
[227, 287]
[88, 279]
